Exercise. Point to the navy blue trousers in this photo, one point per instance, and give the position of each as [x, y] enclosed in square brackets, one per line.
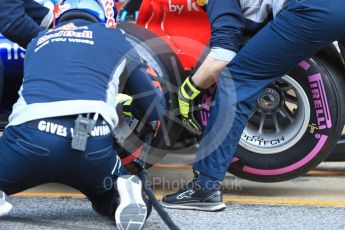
[39, 152]
[297, 32]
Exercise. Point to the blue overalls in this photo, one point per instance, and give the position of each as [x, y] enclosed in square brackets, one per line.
[69, 72]
[20, 22]
[1, 79]
[301, 29]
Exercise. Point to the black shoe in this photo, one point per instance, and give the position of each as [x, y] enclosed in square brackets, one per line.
[194, 197]
[132, 211]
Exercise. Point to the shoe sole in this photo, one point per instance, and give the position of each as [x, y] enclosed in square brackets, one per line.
[132, 211]
[196, 206]
[5, 207]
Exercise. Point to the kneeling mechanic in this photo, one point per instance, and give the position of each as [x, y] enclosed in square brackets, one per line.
[60, 129]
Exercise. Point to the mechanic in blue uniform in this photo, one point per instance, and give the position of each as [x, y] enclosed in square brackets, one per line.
[21, 21]
[67, 100]
[299, 29]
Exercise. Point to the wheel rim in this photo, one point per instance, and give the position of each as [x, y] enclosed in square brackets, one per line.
[130, 129]
[279, 120]
[127, 127]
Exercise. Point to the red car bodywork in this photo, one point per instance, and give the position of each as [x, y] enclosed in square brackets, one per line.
[181, 23]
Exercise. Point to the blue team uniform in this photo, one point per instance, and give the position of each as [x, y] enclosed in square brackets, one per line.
[21, 21]
[299, 29]
[82, 78]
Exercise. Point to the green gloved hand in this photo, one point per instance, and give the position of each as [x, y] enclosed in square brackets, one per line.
[201, 2]
[123, 104]
[186, 94]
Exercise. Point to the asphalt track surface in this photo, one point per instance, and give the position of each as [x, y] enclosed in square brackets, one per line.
[315, 201]
[75, 213]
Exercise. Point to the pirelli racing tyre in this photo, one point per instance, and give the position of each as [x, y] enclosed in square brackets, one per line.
[295, 125]
[163, 66]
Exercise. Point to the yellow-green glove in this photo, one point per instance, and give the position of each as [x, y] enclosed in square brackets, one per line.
[201, 2]
[123, 104]
[186, 94]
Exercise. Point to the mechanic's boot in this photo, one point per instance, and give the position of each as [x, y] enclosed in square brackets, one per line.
[5, 207]
[132, 210]
[194, 197]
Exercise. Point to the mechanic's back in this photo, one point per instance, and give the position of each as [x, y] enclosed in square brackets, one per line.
[60, 127]
[82, 68]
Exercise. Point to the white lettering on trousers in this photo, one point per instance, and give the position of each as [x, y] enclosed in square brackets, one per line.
[60, 130]
[52, 128]
[100, 131]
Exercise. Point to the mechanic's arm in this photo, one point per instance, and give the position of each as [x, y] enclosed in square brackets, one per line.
[208, 72]
[148, 102]
[15, 24]
[39, 12]
[227, 24]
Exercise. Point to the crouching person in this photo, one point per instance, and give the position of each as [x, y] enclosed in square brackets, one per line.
[60, 129]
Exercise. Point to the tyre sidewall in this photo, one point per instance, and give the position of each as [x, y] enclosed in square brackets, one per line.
[315, 144]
